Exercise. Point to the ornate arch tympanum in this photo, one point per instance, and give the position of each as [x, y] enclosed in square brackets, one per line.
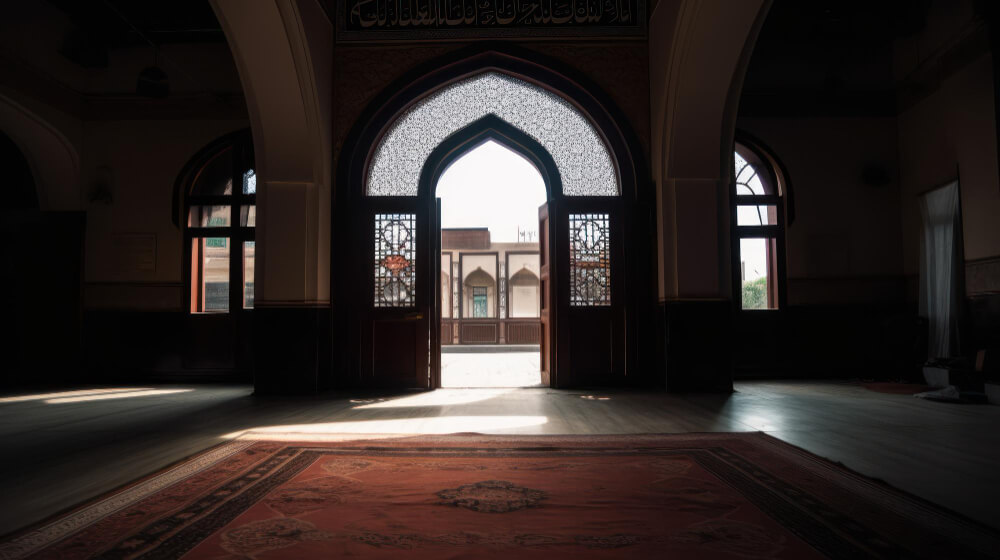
[583, 160]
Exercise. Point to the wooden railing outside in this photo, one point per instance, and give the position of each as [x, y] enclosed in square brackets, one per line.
[490, 331]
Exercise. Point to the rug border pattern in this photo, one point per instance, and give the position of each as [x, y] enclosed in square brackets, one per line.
[66, 525]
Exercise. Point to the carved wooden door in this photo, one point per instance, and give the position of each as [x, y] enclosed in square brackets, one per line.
[395, 305]
[589, 290]
[434, 279]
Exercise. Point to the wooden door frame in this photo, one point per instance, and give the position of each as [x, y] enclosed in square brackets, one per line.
[637, 192]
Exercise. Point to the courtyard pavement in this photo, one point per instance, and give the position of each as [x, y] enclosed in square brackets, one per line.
[497, 369]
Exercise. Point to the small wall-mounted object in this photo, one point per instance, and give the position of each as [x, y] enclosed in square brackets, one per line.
[102, 189]
[152, 82]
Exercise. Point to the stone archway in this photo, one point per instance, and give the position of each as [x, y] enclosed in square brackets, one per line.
[699, 52]
[283, 51]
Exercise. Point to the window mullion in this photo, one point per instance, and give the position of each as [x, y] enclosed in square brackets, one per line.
[756, 199]
[757, 231]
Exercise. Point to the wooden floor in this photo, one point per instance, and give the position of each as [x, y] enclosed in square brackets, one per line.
[59, 450]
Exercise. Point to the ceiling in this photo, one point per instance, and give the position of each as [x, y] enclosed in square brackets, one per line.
[99, 26]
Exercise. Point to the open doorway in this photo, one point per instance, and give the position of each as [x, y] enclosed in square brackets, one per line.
[490, 268]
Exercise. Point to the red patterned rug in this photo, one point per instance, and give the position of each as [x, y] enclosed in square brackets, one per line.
[474, 496]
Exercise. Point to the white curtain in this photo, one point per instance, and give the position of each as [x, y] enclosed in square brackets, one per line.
[941, 263]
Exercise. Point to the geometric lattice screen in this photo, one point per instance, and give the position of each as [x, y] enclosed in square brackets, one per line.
[395, 255]
[589, 260]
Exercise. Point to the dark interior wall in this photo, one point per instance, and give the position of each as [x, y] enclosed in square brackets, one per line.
[947, 129]
[39, 280]
[16, 181]
[847, 313]
[129, 171]
[114, 264]
[843, 246]
[865, 117]
[136, 324]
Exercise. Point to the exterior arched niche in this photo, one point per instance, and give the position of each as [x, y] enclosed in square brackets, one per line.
[523, 299]
[479, 290]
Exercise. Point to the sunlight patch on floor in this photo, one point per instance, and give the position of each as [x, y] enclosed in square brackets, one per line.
[109, 396]
[84, 395]
[441, 397]
[437, 425]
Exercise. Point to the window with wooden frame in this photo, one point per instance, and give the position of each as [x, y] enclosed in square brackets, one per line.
[758, 216]
[219, 216]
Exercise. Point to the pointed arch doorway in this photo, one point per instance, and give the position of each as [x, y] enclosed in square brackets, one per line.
[393, 290]
[490, 324]
[483, 287]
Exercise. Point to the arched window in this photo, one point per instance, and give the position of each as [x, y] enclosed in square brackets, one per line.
[759, 229]
[219, 212]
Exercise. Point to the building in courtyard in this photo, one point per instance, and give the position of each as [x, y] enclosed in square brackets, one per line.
[489, 291]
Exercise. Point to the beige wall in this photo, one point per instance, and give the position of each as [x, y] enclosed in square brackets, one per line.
[517, 262]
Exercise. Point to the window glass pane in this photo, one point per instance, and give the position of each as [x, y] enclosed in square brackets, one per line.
[249, 182]
[764, 215]
[757, 273]
[248, 216]
[216, 177]
[249, 251]
[589, 260]
[479, 308]
[210, 274]
[394, 259]
[209, 216]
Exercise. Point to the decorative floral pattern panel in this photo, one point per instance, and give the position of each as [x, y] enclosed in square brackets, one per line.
[395, 249]
[589, 260]
[583, 160]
